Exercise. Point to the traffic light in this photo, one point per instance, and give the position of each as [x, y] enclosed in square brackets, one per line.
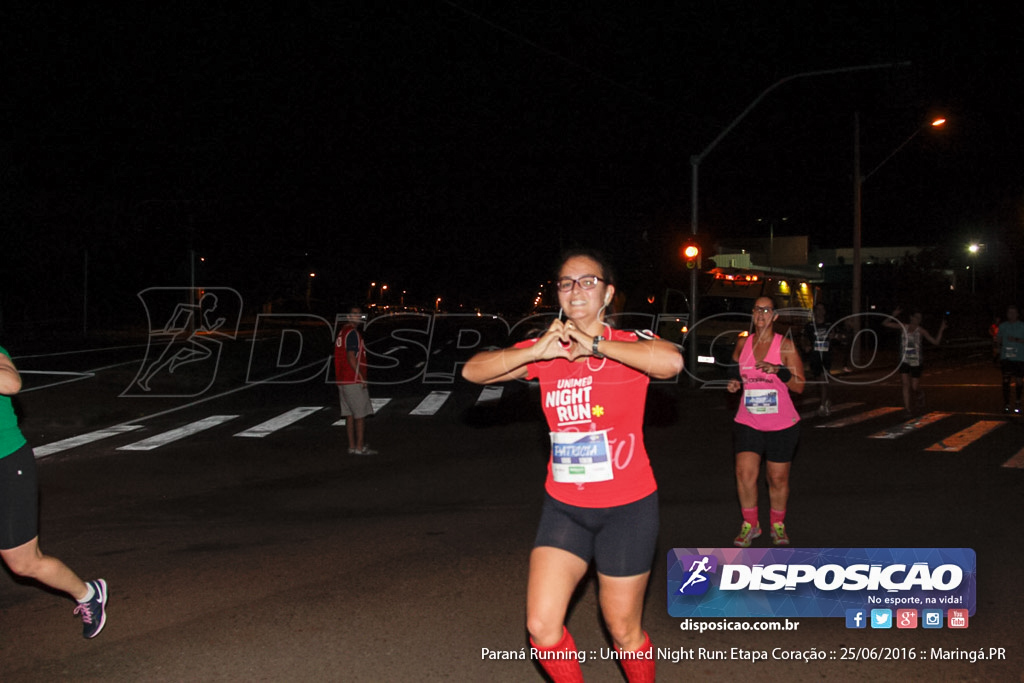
[691, 255]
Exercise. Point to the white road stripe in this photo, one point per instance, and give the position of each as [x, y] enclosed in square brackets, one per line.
[279, 422]
[835, 409]
[82, 439]
[179, 433]
[1016, 461]
[909, 426]
[490, 394]
[860, 417]
[432, 403]
[965, 437]
[375, 403]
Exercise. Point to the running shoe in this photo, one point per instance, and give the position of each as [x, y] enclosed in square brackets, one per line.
[779, 536]
[747, 534]
[365, 450]
[94, 611]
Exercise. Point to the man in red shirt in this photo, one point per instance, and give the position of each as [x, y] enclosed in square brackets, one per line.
[350, 375]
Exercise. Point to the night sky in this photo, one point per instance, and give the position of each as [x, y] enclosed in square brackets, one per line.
[453, 148]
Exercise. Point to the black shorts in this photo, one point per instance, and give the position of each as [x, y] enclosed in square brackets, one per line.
[19, 499]
[620, 539]
[778, 446]
[1013, 368]
[821, 363]
[912, 370]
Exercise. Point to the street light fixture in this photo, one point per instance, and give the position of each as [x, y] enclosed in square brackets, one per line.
[974, 248]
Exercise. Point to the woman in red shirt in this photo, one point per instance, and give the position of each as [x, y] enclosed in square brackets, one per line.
[601, 502]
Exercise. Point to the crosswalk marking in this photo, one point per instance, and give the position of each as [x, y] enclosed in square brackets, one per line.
[1017, 461]
[375, 404]
[490, 394]
[909, 426]
[176, 434]
[432, 403]
[860, 417]
[82, 439]
[807, 414]
[279, 422]
[963, 438]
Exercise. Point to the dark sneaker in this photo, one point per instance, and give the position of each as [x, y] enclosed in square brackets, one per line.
[94, 612]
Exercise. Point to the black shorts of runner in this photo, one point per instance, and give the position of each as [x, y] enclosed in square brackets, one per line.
[1013, 368]
[620, 540]
[19, 499]
[778, 446]
[820, 363]
[912, 370]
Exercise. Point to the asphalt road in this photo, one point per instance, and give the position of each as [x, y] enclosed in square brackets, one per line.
[282, 558]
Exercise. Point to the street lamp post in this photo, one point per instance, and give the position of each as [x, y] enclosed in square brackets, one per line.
[858, 182]
[974, 248]
[696, 159]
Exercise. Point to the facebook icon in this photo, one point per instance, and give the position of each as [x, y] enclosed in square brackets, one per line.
[856, 618]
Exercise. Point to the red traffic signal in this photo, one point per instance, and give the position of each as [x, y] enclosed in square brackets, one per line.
[691, 255]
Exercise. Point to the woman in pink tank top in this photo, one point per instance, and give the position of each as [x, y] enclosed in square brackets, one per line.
[768, 367]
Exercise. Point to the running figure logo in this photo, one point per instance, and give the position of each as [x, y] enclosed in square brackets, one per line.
[696, 582]
[193, 335]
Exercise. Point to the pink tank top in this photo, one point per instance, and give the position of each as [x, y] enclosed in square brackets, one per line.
[765, 404]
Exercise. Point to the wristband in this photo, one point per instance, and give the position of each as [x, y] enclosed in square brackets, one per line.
[593, 347]
[784, 374]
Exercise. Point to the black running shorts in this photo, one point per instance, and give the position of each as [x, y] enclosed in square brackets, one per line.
[620, 540]
[19, 499]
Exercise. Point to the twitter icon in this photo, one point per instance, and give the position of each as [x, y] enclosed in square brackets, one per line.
[881, 618]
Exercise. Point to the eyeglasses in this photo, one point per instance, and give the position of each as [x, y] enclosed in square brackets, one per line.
[763, 309]
[565, 284]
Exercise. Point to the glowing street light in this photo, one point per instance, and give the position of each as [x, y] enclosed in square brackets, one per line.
[974, 249]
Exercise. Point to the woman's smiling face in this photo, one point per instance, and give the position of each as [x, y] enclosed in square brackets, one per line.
[578, 302]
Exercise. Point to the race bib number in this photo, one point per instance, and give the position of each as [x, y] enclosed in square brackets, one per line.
[821, 344]
[911, 357]
[580, 457]
[761, 401]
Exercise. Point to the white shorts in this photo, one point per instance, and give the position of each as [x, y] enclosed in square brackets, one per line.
[355, 400]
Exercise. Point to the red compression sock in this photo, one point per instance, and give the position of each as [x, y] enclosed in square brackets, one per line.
[638, 664]
[777, 516]
[750, 515]
[561, 660]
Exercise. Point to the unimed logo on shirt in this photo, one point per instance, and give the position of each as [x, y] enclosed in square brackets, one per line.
[817, 582]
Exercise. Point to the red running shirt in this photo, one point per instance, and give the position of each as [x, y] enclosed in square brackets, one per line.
[594, 394]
